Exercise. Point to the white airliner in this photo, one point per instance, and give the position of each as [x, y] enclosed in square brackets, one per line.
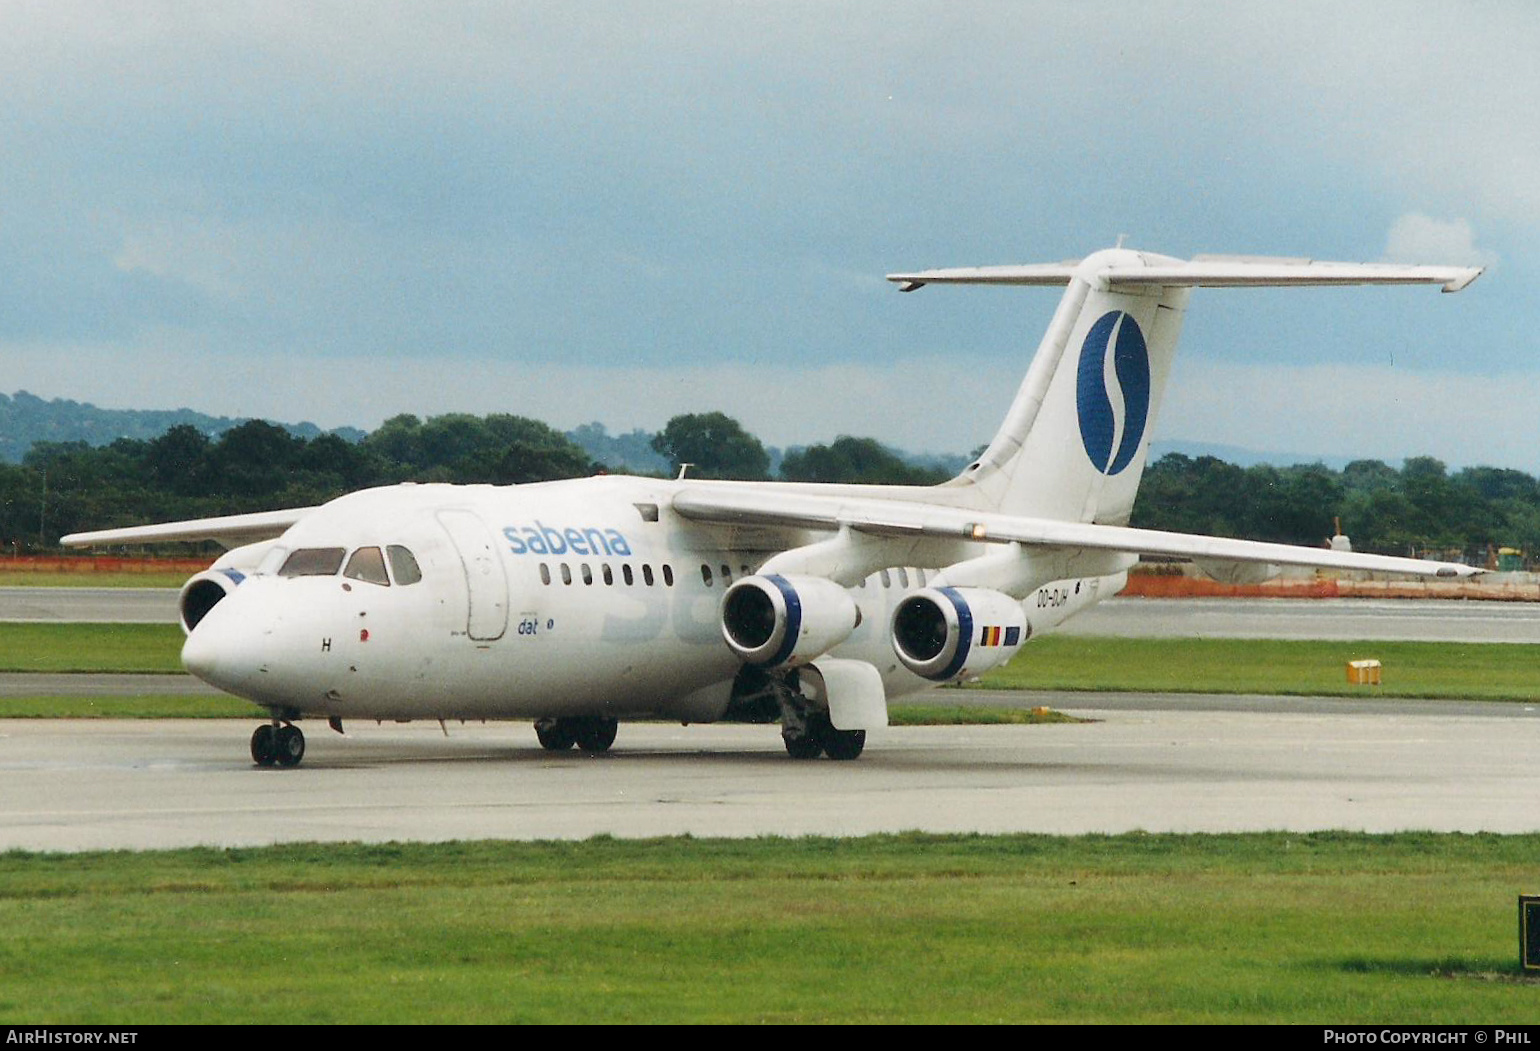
[582, 603]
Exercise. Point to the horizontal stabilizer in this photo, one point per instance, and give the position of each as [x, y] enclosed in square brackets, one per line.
[1202, 272]
[229, 531]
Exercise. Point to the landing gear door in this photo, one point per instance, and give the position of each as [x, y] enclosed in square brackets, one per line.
[486, 584]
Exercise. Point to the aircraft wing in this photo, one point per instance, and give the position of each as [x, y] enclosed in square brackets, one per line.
[911, 519]
[230, 530]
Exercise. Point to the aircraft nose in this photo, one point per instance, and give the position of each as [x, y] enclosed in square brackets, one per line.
[215, 656]
[230, 647]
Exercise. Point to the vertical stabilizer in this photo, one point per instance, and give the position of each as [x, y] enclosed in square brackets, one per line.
[1074, 443]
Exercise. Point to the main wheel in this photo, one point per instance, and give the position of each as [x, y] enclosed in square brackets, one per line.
[555, 734]
[291, 745]
[802, 746]
[596, 734]
[843, 744]
[264, 746]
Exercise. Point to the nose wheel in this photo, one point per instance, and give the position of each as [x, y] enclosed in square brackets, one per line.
[274, 744]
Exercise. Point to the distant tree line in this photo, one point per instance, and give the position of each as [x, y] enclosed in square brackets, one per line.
[63, 487]
[1420, 508]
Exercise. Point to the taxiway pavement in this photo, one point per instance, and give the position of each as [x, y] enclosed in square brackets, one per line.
[85, 784]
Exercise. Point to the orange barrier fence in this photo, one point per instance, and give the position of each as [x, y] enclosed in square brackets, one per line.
[1159, 585]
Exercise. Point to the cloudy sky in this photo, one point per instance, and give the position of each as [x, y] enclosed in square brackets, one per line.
[620, 211]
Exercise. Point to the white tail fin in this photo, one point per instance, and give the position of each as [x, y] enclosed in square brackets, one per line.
[1074, 443]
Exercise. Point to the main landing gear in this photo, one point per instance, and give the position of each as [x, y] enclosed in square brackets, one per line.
[817, 736]
[805, 727]
[591, 733]
[276, 743]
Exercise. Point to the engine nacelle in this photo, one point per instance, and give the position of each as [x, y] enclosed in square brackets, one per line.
[945, 634]
[209, 588]
[203, 592]
[783, 622]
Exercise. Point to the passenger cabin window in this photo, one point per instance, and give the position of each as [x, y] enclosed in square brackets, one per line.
[903, 577]
[626, 572]
[647, 574]
[668, 576]
[368, 565]
[403, 565]
[705, 573]
[545, 573]
[609, 578]
[588, 574]
[313, 562]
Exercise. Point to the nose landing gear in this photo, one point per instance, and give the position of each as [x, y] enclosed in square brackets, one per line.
[275, 743]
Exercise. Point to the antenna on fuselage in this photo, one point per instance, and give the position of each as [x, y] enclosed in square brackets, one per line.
[682, 469]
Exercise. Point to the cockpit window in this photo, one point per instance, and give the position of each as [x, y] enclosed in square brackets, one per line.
[403, 565]
[272, 560]
[368, 565]
[313, 562]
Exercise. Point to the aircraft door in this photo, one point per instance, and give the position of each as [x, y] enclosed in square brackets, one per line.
[485, 581]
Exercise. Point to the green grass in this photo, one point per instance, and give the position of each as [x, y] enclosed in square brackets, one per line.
[13, 578]
[146, 706]
[90, 648]
[1477, 671]
[1411, 929]
[906, 714]
[1489, 671]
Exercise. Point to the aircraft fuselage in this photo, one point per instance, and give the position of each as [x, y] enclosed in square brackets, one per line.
[586, 597]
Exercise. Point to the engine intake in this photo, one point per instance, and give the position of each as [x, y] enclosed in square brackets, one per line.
[784, 622]
[203, 592]
[946, 634]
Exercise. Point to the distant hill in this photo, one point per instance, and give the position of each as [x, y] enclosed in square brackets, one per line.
[25, 418]
[1243, 457]
[630, 452]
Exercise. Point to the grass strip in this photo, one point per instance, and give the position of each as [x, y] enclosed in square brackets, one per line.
[1460, 670]
[905, 714]
[1457, 670]
[131, 648]
[1323, 928]
[21, 578]
[145, 706]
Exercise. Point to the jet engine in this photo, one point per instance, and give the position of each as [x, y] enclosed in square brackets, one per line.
[203, 592]
[208, 589]
[946, 634]
[786, 621]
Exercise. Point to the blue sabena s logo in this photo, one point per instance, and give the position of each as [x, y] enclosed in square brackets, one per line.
[1113, 402]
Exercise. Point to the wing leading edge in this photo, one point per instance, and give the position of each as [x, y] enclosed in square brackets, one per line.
[911, 519]
[230, 530]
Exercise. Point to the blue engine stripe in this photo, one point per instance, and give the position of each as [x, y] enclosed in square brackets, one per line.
[793, 621]
[964, 634]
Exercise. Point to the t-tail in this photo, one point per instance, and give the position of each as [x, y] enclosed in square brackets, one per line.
[1074, 443]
